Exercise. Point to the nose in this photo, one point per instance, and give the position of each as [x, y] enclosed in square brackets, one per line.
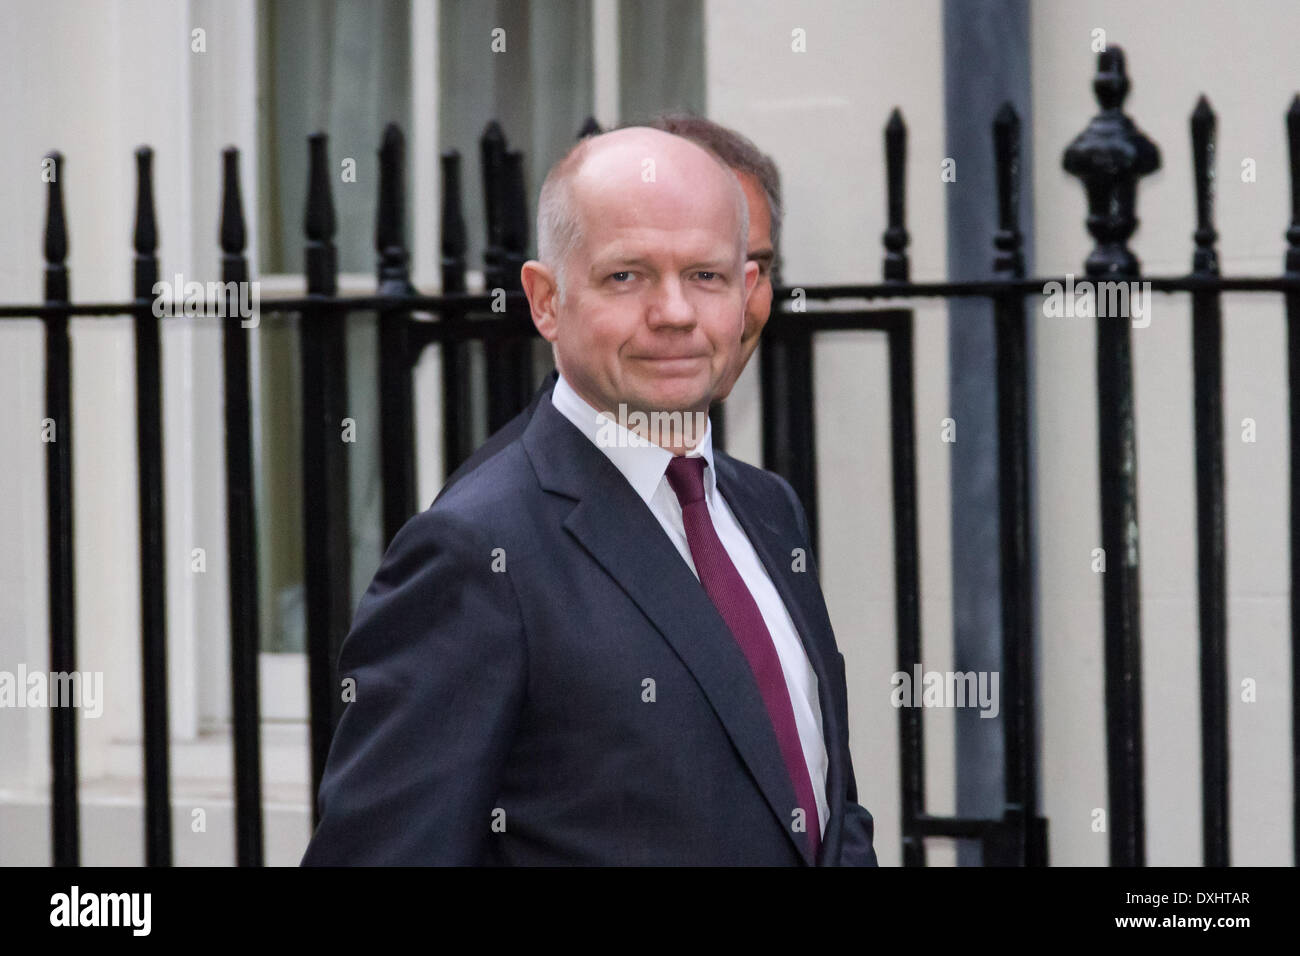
[669, 306]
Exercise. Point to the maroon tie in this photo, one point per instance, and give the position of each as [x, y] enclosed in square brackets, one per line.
[726, 589]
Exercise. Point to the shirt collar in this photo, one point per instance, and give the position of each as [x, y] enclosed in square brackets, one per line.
[642, 463]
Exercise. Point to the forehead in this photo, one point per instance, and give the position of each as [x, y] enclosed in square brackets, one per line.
[613, 243]
[659, 220]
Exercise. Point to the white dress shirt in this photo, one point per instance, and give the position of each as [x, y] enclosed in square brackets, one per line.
[644, 466]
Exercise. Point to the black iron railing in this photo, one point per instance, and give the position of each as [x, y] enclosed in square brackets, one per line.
[1109, 157]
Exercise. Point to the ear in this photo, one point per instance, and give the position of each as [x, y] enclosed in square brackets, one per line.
[751, 277]
[542, 290]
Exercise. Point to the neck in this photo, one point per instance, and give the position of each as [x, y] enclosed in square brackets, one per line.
[676, 431]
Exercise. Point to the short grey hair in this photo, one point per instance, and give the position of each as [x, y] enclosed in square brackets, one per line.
[559, 228]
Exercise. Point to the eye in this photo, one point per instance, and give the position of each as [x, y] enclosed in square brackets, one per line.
[623, 276]
[709, 276]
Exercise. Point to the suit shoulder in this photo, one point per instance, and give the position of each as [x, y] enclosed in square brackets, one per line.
[497, 442]
[768, 482]
[494, 484]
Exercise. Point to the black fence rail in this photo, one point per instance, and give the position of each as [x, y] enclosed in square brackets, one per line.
[1109, 157]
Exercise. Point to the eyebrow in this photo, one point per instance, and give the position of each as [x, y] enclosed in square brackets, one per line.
[762, 255]
[602, 265]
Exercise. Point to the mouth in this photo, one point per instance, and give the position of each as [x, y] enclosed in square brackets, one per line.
[673, 365]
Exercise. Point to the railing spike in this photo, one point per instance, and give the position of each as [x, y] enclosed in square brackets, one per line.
[318, 222]
[454, 239]
[145, 238]
[492, 158]
[1110, 156]
[234, 235]
[1111, 84]
[896, 267]
[1006, 155]
[1203, 123]
[390, 218]
[56, 234]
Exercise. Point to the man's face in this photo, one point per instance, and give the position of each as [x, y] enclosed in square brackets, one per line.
[653, 311]
[760, 250]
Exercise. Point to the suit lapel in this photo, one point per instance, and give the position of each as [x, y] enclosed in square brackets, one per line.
[621, 534]
[799, 591]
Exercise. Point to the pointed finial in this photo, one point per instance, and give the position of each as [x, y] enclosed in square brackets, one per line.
[145, 238]
[1204, 259]
[1109, 157]
[56, 234]
[319, 222]
[1006, 158]
[1111, 84]
[233, 233]
[390, 218]
[896, 267]
[454, 241]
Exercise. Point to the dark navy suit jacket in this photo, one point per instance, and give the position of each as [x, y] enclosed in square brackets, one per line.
[540, 679]
[503, 437]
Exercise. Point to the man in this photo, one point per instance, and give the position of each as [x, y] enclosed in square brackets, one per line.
[761, 183]
[605, 652]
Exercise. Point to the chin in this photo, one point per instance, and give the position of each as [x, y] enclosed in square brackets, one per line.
[671, 399]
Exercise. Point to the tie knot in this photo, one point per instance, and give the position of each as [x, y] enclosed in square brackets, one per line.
[686, 477]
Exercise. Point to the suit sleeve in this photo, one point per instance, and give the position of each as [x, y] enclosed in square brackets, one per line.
[858, 845]
[438, 658]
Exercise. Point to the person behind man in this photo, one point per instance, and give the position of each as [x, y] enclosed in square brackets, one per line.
[761, 181]
[601, 651]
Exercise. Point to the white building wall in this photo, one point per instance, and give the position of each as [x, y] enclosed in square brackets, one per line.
[1242, 59]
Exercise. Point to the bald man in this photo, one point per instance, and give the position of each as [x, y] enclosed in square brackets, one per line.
[761, 182]
[608, 645]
